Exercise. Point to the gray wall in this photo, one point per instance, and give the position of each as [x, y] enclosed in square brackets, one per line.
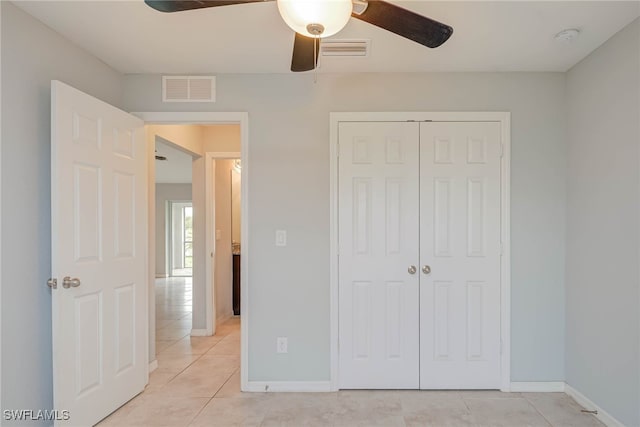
[603, 93]
[289, 184]
[33, 55]
[165, 193]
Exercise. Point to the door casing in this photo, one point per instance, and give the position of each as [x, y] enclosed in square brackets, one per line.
[210, 118]
[504, 118]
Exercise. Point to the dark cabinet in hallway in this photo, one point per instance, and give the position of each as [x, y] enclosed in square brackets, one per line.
[236, 284]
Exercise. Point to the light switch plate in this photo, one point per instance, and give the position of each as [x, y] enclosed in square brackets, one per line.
[281, 237]
[218, 234]
[282, 345]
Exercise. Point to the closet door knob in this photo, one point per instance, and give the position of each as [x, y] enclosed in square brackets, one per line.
[412, 269]
[426, 269]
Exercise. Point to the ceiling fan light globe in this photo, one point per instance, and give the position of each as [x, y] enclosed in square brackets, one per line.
[300, 15]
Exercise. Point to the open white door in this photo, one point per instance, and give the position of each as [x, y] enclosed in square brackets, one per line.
[99, 240]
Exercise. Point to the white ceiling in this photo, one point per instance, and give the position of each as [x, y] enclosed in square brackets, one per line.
[252, 38]
[176, 169]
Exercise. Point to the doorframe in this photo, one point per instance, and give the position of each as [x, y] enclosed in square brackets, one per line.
[221, 118]
[210, 244]
[504, 118]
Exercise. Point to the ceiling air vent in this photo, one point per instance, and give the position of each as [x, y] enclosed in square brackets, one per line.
[344, 48]
[188, 89]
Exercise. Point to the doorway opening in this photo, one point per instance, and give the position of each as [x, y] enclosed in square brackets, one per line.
[205, 134]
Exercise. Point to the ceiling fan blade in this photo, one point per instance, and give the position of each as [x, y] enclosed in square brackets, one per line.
[305, 58]
[180, 5]
[405, 23]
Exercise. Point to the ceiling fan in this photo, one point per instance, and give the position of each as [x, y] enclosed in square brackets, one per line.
[316, 19]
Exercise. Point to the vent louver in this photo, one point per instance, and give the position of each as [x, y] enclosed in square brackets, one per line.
[188, 89]
[344, 48]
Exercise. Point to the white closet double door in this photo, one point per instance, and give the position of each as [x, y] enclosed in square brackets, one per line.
[419, 255]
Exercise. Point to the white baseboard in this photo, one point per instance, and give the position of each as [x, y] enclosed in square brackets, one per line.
[161, 276]
[153, 366]
[288, 386]
[586, 403]
[538, 387]
[200, 333]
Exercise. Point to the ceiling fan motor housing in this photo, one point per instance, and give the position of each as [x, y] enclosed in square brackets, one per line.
[315, 18]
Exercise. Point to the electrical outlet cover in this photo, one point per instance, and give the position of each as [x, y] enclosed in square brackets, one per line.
[281, 237]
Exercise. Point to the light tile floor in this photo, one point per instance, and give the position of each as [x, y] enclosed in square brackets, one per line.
[197, 384]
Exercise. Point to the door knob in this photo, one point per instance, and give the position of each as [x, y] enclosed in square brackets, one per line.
[52, 283]
[426, 269]
[412, 269]
[68, 282]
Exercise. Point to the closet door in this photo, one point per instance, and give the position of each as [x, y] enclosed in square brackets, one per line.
[378, 261]
[460, 255]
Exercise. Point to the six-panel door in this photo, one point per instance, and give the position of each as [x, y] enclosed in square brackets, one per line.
[460, 242]
[99, 215]
[378, 217]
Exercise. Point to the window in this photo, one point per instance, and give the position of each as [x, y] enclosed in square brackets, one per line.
[187, 229]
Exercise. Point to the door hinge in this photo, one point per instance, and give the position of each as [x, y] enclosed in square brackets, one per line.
[501, 150]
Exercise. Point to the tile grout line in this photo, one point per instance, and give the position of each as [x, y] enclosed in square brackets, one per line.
[199, 412]
[223, 384]
[464, 402]
[537, 410]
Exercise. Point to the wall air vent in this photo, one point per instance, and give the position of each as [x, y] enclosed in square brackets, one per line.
[188, 89]
[344, 48]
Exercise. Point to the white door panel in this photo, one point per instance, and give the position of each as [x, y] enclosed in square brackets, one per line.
[460, 242]
[378, 219]
[99, 211]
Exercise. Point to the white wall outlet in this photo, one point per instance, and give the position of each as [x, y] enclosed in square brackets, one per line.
[281, 237]
[218, 234]
[282, 345]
